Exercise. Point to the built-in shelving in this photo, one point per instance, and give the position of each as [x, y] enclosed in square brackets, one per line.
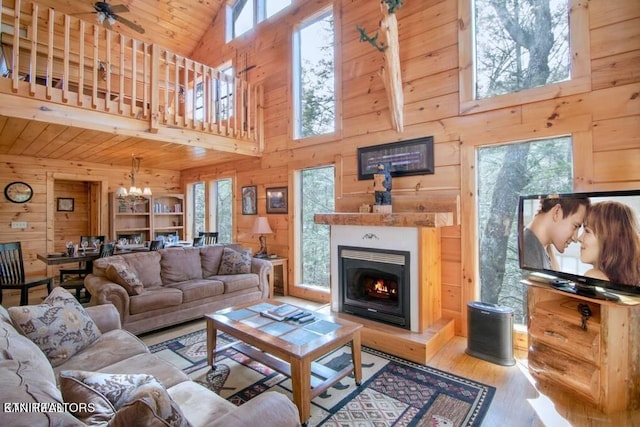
[159, 215]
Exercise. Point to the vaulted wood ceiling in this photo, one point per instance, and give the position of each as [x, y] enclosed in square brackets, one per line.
[177, 25]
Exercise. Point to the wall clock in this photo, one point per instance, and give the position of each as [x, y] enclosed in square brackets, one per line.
[18, 192]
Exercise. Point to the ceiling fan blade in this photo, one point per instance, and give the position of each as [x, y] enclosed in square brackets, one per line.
[129, 24]
[119, 8]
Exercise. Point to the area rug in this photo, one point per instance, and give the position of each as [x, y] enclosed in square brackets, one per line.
[394, 391]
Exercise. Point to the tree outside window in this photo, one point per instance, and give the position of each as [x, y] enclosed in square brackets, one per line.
[520, 44]
[317, 188]
[314, 78]
[506, 172]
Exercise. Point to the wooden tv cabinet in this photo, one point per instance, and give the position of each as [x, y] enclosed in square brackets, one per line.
[600, 364]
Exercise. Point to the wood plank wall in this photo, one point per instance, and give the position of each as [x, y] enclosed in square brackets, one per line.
[605, 122]
[53, 178]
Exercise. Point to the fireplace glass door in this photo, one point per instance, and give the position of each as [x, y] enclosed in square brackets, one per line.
[374, 283]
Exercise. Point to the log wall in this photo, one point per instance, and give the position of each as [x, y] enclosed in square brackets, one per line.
[47, 229]
[603, 121]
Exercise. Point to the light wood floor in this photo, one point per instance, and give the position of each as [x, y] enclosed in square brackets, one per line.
[518, 401]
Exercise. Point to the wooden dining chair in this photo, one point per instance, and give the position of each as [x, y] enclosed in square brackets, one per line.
[155, 245]
[209, 237]
[71, 280]
[12, 274]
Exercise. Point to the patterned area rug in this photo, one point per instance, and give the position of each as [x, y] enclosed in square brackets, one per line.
[394, 392]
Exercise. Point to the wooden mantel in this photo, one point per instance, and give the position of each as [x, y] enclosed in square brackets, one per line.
[400, 219]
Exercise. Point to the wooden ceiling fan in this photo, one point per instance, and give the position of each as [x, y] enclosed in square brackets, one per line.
[108, 15]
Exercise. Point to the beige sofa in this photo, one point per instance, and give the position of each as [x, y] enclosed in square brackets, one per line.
[28, 378]
[178, 284]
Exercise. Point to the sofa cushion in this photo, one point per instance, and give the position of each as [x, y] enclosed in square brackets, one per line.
[235, 262]
[210, 257]
[125, 277]
[238, 282]
[14, 346]
[180, 264]
[110, 348]
[120, 399]
[147, 267]
[154, 299]
[199, 289]
[22, 383]
[59, 326]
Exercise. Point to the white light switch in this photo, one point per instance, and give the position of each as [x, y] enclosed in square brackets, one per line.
[18, 224]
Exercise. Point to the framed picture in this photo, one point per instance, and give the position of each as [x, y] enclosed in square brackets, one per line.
[411, 157]
[65, 204]
[277, 200]
[249, 200]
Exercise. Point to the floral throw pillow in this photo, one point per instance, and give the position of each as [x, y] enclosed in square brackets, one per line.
[59, 326]
[120, 399]
[235, 262]
[125, 277]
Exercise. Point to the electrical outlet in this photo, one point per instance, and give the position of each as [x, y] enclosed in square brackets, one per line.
[18, 224]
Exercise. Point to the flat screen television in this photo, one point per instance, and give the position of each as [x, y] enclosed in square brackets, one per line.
[584, 243]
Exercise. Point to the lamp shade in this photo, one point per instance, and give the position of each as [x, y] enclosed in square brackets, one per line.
[261, 226]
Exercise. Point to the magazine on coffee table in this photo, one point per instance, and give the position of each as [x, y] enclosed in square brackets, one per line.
[280, 312]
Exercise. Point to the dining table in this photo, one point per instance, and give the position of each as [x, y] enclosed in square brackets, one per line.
[56, 258]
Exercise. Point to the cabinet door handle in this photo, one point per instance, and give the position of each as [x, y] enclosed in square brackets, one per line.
[556, 335]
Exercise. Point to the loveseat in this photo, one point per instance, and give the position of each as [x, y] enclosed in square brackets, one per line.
[62, 365]
[155, 289]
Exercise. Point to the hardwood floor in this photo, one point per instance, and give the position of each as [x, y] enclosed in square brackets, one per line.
[518, 401]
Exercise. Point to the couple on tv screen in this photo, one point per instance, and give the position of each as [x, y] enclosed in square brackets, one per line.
[591, 235]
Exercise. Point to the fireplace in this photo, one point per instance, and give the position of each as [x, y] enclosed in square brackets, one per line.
[375, 284]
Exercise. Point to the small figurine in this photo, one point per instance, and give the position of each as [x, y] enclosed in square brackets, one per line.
[382, 184]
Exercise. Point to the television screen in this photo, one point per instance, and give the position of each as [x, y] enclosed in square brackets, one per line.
[587, 243]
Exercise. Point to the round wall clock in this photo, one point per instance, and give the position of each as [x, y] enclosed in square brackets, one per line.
[18, 192]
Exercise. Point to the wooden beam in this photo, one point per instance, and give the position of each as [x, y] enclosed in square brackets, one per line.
[32, 109]
[391, 73]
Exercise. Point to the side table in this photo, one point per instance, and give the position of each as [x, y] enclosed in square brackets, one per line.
[284, 274]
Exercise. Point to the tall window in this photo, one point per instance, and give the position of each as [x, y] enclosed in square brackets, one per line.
[504, 173]
[520, 44]
[199, 208]
[314, 77]
[224, 94]
[317, 195]
[246, 14]
[518, 51]
[218, 216]
[222, 189]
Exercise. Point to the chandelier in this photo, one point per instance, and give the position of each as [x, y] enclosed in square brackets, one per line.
[135, 195]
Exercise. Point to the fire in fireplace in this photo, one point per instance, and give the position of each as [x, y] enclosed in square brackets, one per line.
[374, 283]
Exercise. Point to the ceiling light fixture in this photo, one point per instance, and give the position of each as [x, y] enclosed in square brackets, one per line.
[134, 196]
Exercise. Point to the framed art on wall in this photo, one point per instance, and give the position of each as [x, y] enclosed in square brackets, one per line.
[65, 204]
[249, 200]
[411, 157]
[277, 200]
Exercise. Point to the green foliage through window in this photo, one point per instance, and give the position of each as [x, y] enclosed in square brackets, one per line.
[317, 188]
[506, 172]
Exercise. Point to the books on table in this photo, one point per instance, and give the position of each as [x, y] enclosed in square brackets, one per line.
[280, 312]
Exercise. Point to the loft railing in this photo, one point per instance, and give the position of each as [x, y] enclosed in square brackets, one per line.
[59, 58]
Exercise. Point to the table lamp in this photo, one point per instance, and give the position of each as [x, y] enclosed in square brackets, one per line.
[261, 227]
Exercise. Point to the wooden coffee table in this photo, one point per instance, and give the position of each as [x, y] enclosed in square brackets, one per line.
[288, 347]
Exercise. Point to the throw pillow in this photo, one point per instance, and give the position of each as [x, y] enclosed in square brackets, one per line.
[125, 277]
[235, 262]
[120, 399]
[59, 326]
